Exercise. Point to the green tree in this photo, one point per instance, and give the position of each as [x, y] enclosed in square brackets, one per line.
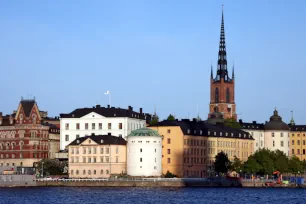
[170, 175]
[281, 161]
[236, 165]
[222, 163]
[231, 122]
[295, 165]
[155, 120]
[171, 117]
[52, 167]
[251, 165]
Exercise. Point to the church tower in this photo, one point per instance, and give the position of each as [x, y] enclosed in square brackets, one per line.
[222, 87]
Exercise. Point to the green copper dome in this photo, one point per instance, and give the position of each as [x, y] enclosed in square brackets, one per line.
[144, 132]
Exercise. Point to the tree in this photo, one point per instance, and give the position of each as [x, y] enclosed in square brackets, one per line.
[222, 163]
[251, 166]
[295, 165]
[52, 167]
[171, 117]
[231, 122]
[154, 120]
[281, 161]
[236, 165]
[170, 175]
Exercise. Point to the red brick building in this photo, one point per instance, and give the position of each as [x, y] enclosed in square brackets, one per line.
[23, 140]
[222, 87]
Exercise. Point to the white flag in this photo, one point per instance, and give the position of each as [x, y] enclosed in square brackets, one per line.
[107, 92]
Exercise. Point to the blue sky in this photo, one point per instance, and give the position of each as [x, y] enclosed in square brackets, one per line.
[153, 53]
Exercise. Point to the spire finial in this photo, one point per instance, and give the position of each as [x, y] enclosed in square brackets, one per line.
[233, 71]
[211, 71]
[292, 120]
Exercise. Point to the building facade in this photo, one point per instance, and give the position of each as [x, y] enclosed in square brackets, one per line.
[97, 156]
[298, 141]
[100, 121]
[190, 147]
[222, 87]
[257, 131]
[23, 139]
[144, 153]
[277, 134]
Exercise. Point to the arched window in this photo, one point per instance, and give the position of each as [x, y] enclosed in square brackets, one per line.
[227, 95]
[216, 109]
[217, 95]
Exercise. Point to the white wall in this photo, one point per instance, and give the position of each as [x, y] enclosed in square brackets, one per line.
[259, 138]
[278, 138]
[151, 155]
[128, 124]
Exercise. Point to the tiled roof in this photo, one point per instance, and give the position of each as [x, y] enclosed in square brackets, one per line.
[202, 128]
[101, 140]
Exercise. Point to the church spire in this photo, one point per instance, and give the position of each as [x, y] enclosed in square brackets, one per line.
[233, 71]
[211, 72]
[222, 61]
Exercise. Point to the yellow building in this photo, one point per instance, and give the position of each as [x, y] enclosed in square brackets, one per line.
[297, 141]
[97, 156]
[190, 147]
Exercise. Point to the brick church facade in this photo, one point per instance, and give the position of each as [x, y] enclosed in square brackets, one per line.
[222, 87]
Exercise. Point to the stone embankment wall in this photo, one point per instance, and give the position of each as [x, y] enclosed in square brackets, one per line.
[17, 180]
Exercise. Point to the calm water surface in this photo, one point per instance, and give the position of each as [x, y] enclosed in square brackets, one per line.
[151, 195]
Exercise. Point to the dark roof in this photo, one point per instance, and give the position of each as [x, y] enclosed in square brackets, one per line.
[298, 128]
[52, 128]
[107, 140]
[202, 128]
[107, 112]
[27, 106]
[276, 123]
[251, 126]
[6, 120]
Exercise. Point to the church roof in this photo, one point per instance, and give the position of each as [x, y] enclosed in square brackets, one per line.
[27, 106]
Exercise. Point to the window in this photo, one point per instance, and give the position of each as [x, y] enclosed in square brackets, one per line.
[107, 159]
[298, 142]
[93, 126]
[109, 126]
[272, 134]
[117, 159]
[95, 172]
[168, 141]
[227, 95]
[84, 172]
[101, 159]
[89, 159]
[168, 160]
[155, 150]
[84, 150]
[94, 150]
[66, 138]
[89, 172]
[282, 134]
[86, 126]
[298, 151]
[94, 160]
[71, 172]
[217, 95]
[140, 159]
[107, 150]
[84, 159]
[168, 151]
[77, 136]
[140, 149]
[78, 126]
[107, 172]
[102, 171]
[304, 142]
[66, 126]
[101, 150]
[120, 126]
[292, 151]
[100, 126]
[77, 172]
[303, 151]
[273, 143]
[169, 131]
[282, 143]
[89, 150]
[292, 142]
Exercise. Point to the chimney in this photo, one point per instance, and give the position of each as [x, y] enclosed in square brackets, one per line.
[240, 121]
[108, 106]
[140, 110]
[130, 108]
[98, 106]
[109, 134]
[92, 134]
[254, 122]
[0, 114]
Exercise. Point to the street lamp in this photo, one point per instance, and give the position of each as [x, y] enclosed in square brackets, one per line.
[42, 171]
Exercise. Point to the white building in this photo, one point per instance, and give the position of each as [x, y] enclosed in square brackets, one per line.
[257, 131]
[277, 134]
[274, 135]
[100, 121]
[144, 153]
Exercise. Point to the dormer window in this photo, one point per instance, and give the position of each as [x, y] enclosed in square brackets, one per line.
[102, 141]
[239, 135]
[188, 131]
[226, 134]
[200, 132]
[194, 131]
[208, 132]
[221, 134]
[232, 134]
[215, 133]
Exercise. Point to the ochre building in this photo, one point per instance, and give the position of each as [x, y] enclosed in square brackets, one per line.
[297, 141]
[189, 147]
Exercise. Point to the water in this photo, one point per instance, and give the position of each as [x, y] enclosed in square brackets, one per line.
[151, 195]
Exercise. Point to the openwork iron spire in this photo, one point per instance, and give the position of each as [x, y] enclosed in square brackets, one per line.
[222, 61]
